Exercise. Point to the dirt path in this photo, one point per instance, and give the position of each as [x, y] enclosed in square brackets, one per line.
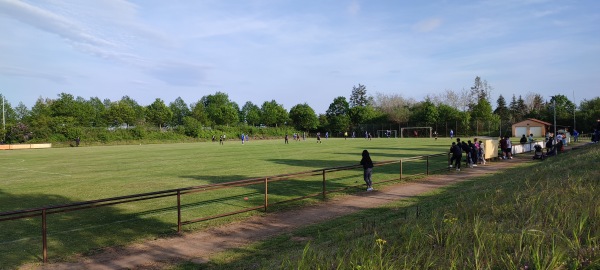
[200, 246]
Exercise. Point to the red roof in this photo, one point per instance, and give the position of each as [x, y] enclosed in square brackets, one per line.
[539, 121]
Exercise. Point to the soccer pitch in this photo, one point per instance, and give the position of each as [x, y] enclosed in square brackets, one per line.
[35, 178]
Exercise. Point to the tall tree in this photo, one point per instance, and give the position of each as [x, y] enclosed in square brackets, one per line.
[303, 117]
[395, 106]
[480, 90]
[359, 96]
[588, 115]
[220, 110]
[273, 114]
[337, 115]
[199, 114]
[21, 112]
[564, 110]
[180, 111]
[501, 110]
[426, 113]
[535, 105]
[251, 113]
[158, 113]
[98, 112]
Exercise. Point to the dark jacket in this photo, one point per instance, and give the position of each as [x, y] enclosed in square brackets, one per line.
[366, 161]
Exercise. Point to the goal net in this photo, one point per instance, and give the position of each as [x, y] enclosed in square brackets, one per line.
[387, 133]
[416, 132]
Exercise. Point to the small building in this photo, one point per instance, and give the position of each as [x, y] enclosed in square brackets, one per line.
[530, 126]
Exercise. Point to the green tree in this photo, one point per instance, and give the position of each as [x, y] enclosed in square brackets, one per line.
[518, 109]
[501, 110]
[564, 110]
[251, 114]
[119, 113]
[535, 106]
[180, 111]
[21, 112]
[219, 109]
[480, 90]
[482, 110]
[139, 111]
[273, 114]
[588, 115]
[359, 97]
[337, 115]
[158, 113]
[303, 117]
[98, 111]
[199, 113]
[425, 112]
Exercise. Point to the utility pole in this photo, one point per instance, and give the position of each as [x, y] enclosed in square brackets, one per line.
[574, 107]
[554, 106]
[3, 120]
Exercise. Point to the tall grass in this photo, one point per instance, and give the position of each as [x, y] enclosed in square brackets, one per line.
[544, 215]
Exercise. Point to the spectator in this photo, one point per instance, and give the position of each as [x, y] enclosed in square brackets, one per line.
[367, 164]
[523, 139]
[503, 147]
[549, 145]
[508, 147]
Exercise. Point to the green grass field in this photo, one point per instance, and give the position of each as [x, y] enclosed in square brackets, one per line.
[34, 178]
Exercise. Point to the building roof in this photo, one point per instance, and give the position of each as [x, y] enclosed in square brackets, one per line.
[534, 120]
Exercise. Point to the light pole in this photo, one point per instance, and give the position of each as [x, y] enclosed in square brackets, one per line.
[554, 107]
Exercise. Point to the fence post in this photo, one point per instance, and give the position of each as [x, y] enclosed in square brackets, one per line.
[179, 211]
[324, 186]
[400, 169]
[266, 193]
[427, 157]
[44, 237]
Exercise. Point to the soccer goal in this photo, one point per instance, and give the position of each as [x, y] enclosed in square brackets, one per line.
[387, 133]
[416, 132]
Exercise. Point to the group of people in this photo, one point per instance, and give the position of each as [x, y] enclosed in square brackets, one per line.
[473, 151]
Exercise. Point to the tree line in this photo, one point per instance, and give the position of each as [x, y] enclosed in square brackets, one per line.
[469, 111]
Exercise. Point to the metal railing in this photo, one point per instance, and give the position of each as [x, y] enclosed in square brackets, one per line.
[44, 211]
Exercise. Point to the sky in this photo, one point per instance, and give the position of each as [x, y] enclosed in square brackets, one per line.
[296, 52]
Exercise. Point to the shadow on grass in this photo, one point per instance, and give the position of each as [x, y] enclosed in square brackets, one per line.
[77, 232]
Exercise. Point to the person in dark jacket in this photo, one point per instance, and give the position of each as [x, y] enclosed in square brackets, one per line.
[473, 152]
[523, 139]
[456, 155]
[467, 150]
[367, 164]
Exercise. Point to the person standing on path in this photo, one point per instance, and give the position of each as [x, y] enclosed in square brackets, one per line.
[367, 164]
[451, 134]
[456, 155]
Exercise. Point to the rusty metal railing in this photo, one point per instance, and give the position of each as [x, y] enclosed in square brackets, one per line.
[44, 211]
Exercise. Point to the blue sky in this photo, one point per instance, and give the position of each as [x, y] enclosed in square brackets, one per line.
[296, 51]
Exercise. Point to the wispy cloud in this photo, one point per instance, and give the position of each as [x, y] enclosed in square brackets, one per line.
[353, 8]
[21, 72]
[428, 25]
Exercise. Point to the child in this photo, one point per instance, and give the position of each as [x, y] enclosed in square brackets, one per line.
[367, 164]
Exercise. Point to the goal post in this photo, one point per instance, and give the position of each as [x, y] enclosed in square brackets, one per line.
[416, 132]
[387, 133]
